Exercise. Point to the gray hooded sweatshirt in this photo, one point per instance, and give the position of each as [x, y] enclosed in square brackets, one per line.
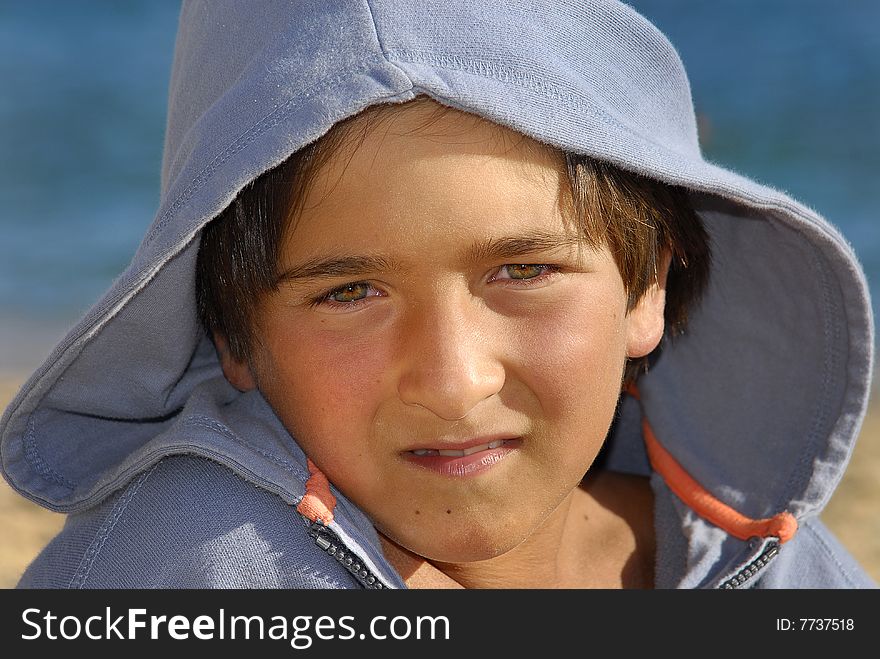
[173, 478]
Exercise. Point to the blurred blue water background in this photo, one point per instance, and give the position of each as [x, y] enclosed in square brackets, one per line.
[788, 92]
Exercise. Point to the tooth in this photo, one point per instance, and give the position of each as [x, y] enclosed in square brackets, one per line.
[451, 454]
[474, 449]
[496, 443]
[421, 451]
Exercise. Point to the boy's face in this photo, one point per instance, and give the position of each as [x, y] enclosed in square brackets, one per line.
[438, 301]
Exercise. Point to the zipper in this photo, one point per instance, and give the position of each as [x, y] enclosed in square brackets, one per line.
[329, 542]
[750, 570]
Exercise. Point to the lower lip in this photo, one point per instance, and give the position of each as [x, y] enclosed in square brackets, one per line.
[466, 465]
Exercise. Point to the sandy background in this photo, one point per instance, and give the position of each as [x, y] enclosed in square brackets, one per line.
[853, 513]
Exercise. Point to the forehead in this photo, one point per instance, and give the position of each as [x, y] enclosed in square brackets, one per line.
[424, 162]
[432, 123]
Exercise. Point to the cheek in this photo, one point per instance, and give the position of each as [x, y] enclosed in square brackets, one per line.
[573, 358]
[326, 389]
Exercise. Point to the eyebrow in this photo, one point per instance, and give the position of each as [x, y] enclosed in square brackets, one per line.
[506, 247]
[336, 266]
[509, 247]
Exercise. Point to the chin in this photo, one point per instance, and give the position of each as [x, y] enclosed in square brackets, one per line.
[467, 544]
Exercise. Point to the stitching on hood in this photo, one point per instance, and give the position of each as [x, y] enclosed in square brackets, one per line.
[499, 71]
[831, 555]
[88, 560]
[210, 424]
[36, 460]
[830, 333]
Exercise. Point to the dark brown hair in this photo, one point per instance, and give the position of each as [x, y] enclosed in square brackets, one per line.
[638, 218]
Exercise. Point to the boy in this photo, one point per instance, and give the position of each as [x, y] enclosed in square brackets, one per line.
[391, 325]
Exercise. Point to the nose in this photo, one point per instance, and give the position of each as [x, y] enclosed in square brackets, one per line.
[450, 359]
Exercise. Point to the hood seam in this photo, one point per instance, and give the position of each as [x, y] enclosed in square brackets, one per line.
[832, 556]
[88, 560]
[830, 335]
[211, 424]
[36, 460]
[499, 71]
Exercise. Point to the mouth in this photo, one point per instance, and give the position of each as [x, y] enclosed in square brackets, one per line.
[460, 453]
[467, 459]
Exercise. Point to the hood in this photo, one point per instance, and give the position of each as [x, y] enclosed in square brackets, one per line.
[760, 401]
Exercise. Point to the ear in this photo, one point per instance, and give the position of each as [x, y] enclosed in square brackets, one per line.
[646, 321]
[238, 372]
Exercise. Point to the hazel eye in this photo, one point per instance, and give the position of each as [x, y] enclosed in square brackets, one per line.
[523, 271]
[525, 275]
[347, 297]
[350, 292]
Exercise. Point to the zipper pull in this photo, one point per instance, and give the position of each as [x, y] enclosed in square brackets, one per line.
[318, 531]
[328, 542]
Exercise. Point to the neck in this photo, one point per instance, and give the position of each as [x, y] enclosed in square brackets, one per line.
[601, 536]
